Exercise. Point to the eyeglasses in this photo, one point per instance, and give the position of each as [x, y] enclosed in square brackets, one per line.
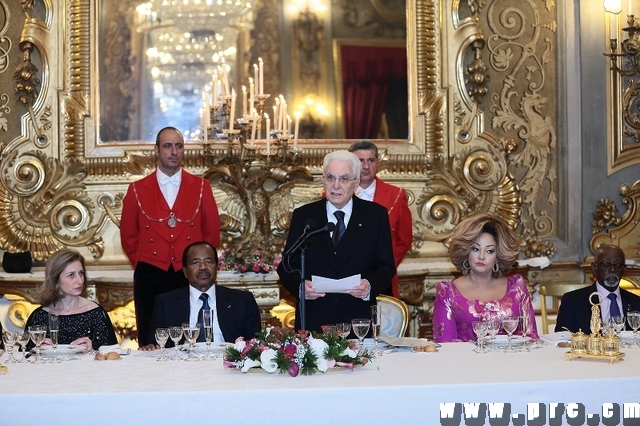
[344, 179]
[607, 266]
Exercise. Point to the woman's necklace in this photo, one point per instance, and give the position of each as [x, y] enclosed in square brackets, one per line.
[172, 220]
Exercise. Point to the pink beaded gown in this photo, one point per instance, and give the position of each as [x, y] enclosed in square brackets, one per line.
[453, 314]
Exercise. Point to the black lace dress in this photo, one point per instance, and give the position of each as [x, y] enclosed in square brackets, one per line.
[94, 324]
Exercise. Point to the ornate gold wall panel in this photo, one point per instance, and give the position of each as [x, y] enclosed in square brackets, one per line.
[61, 186]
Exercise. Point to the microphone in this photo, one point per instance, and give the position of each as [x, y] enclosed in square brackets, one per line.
[329, 227]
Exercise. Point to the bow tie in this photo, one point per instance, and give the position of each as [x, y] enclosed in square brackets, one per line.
[173, 180]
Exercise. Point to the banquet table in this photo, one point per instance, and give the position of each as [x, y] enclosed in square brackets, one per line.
[406, 388]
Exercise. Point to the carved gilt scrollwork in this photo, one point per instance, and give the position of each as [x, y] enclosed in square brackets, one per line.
[44, 206]
[474, 180]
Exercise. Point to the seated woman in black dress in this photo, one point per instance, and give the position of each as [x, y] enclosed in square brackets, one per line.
[81, 321]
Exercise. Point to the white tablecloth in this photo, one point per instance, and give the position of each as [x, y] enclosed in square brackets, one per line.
[408, 388]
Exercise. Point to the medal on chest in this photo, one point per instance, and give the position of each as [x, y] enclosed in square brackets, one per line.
[172, 220]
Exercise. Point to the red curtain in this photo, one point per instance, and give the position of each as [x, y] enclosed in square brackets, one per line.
[366, 72]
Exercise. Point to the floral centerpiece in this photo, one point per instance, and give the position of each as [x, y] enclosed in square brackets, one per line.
[257, 262]
[283, 350]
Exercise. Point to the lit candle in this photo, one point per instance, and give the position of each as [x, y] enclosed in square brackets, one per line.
[255, 77]
[268, 136]
[244, 100]
[261, 79]
[630, 7]
[215, 93]
[251, 89]
[613, 26]
[226, 80]
[283, 116]
[295, 131]
[275, 117]
[288, 125]
[233, 108]
[253, 129]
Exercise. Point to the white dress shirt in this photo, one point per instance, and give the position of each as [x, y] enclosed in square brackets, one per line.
[195, 304]
[169, 185]
[367, 193]
[347, 213]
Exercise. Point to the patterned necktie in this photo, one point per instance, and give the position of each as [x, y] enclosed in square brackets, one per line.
[614, 309]
[205, 307]
[340, 228]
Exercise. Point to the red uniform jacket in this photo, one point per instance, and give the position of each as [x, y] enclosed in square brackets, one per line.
[146, 239]
[395, 200]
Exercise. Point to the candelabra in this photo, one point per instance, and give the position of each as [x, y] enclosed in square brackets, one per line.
[627, 63]
[254, 177]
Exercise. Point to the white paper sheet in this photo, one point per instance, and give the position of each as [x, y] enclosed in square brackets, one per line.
[330, 285]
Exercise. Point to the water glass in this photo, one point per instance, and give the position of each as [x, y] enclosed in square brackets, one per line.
[38, 333]
[191, 334]
[480, 328]
[633, 318]
[510, 324]
[360, 328]
[23, 339]
[343, 329]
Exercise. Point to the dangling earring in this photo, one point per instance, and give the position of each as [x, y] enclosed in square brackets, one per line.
[465, 265]
[495, 268]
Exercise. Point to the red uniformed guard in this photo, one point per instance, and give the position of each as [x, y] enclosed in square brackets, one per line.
[161, 215]
[390, 196]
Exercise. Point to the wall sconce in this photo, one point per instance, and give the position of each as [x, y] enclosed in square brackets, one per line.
[623, 87]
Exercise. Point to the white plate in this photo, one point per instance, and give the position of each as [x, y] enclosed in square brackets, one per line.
[406, 342]
[62, 349]
[627, 336]
[201, 347]
[503, 340]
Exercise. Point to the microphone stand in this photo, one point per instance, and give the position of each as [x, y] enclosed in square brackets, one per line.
[302, 290]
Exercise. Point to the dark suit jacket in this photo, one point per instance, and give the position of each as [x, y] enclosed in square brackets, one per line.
[156, 243]
[365, 248]
[575, 309]
[237, 310]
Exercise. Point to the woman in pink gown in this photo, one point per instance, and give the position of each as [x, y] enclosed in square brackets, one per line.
[483, 248]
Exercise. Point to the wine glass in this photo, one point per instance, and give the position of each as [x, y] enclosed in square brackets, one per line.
[633, 318]
[162, 335]
[175, 334]
[207, 319]
[343, 329]
[38, 334]
[191, 334]
[510, 324]
[54, 327]
[9, 338]
[618, 324]
[480, 328]
[23, 339]
[360, 328]
[493, 328]
[376, 321]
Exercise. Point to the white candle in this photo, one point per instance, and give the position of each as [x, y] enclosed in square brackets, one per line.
[226, 80]
[630, 7]
[215, 93]
[268, 135]
[244, 100]
[251, 89]
[295, 131]
[261, 79]
[233, 108]
[613, 26]
[255, 77]
[275, 118]
[253, 129]
[283, 116]
[288, 125]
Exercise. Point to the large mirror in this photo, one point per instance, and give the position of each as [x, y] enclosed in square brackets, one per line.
[341, 65]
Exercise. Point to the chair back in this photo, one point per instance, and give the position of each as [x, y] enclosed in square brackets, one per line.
[556, 291]
[395, 316]
[629, 286]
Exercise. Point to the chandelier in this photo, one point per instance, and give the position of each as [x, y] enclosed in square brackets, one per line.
[188, 15]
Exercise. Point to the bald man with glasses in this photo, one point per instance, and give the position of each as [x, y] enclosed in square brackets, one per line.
[360, 244]
[575, 309]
